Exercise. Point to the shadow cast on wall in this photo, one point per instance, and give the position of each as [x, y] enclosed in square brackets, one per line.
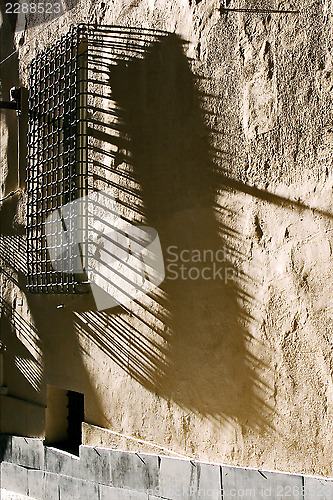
[187, 341]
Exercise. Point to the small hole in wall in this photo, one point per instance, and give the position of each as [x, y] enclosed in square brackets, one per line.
[259, 231]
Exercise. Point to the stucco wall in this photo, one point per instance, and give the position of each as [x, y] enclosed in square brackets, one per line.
[229, 140]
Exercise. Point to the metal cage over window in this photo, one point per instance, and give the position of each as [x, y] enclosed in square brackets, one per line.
[76, 139]
[57, 157]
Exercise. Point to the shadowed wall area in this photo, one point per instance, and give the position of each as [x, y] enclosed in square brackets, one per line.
[8, 78]
[187, 341]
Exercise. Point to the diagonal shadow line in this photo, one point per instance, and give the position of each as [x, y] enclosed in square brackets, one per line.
[269, 197]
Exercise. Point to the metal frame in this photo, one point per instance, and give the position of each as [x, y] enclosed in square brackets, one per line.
[75, 133]
[57, 159]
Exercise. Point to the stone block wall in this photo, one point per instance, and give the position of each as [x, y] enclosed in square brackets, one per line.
[45, 473]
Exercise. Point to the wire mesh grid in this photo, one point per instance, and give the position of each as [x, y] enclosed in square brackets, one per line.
[75, 133]
[56, 166]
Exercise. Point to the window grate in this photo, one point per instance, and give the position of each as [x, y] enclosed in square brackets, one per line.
[57, 159]
[77, 141]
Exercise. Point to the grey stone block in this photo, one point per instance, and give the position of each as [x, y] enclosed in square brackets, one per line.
[28, 452]
[318, 489]
[87, 490]
[95, 465]
[61, 462]
[176, 479]
[68, 488]
[208, 482]
[242, 483]
[5, 447]
[110, 493]
[36, 484]
[134, 471]
[51, 486]
[14, 478]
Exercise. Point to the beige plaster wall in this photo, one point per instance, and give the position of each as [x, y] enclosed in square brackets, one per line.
[230, 141]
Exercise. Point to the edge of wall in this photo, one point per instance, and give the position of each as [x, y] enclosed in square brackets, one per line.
[42, 472]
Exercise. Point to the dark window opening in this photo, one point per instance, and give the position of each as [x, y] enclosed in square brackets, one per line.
[63, 419]
[75, 418]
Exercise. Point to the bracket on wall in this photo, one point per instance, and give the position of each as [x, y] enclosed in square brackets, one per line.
[15, 99]
[15, 102]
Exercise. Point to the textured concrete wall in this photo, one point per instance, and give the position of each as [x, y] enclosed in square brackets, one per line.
[46, 474]
[228, 129]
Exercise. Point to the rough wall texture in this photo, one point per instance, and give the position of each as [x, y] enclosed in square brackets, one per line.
[229, 140]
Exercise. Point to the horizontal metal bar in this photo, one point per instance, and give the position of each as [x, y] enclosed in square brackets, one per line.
[259, 11]
[8, 105]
